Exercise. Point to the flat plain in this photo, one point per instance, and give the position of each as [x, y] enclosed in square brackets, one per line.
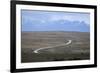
[77, 49]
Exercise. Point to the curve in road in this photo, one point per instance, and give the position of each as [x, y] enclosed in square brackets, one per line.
[37, 50]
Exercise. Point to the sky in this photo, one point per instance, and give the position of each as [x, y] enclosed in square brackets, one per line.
[32, 20]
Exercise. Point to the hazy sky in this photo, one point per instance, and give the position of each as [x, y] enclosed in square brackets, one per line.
[54, 21]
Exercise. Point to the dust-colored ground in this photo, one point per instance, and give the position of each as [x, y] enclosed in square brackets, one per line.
[78, 49]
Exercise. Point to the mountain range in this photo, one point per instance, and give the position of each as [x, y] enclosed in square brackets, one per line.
[59, 25]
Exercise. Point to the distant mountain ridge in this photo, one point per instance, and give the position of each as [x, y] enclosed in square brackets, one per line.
[59, 25]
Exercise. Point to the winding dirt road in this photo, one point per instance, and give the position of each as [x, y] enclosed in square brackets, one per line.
[37, 50]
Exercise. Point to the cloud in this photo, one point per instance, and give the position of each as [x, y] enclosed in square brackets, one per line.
[42, 20]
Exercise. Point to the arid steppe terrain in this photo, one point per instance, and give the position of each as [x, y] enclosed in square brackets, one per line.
[58, 46]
